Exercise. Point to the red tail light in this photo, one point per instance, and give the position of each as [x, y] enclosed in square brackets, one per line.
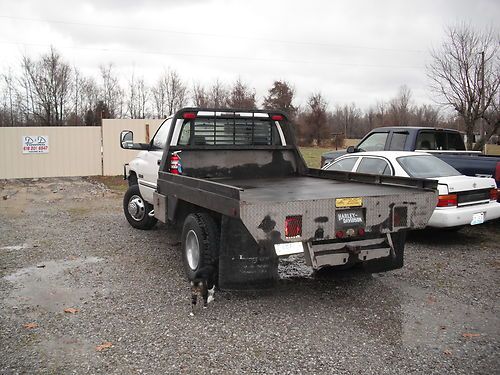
[293, 226]
[189, 115]
[493, 194]
[449, 200]
[277, 117]
[361, 231]
[339, 234]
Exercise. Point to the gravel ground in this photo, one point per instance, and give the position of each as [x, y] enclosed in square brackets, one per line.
[64, 243]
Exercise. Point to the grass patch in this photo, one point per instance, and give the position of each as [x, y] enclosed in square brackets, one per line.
[312, 155]
[115, 183]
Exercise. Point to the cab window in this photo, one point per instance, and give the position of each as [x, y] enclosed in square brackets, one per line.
[160, 138]
[375, 142]
[374, 166]
[398, 141]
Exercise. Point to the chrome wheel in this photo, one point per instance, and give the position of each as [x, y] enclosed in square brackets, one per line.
[192, 249]
[136, 208]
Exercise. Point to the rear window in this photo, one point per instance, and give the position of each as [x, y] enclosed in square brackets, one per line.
[229, 131]
[439, 140]
[426, 166]
[374, 166]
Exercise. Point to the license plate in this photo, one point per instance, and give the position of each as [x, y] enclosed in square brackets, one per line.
[477, 218]
[349, 218]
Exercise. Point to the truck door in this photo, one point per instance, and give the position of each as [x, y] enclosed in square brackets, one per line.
[152, 158]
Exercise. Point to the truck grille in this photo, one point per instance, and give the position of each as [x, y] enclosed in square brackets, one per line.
[473, 196]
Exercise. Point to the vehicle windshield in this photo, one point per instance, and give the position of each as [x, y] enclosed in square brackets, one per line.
[426, 166]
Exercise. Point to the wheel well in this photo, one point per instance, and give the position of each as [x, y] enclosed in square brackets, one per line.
[132, 178]
[185, 208]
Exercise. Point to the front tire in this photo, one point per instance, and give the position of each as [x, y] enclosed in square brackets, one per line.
[200, 243]
[137, 210]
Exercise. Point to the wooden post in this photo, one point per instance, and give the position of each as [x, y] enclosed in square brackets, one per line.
[147, 133]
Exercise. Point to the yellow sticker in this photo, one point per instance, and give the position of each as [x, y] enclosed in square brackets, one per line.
[348, 202]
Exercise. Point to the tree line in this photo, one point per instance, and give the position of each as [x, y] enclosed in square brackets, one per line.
[48, 91]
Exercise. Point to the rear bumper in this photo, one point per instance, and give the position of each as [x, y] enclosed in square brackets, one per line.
[457, 216]
[339, 253]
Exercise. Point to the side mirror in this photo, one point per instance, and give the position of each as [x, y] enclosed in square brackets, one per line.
[127, 139]
[351, 149]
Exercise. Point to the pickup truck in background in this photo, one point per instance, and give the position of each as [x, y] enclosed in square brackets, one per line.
[237, 185]
[445, 144]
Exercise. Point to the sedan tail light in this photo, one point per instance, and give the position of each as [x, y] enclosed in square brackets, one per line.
[493, 194]
[449, 200]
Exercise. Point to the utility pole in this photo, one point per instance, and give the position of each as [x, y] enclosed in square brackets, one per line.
[481, 123]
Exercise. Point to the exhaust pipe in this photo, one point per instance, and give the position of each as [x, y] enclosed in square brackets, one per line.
[151, 213]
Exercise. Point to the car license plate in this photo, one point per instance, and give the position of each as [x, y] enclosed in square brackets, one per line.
[349, 218]
[477, 218]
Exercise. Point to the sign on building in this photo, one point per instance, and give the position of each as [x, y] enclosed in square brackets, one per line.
[35, 144]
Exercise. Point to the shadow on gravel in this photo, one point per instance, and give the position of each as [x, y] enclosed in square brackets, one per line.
[471, 235]
[442, 237]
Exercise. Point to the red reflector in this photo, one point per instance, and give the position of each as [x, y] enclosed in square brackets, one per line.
[493, 194]
[361, 231]
[447, 200]
[189, 115]
[293, 226]
[277, 117]
[339, 234]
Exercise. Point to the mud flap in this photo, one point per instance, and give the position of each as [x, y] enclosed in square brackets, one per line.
[394, 261]
[243, 264]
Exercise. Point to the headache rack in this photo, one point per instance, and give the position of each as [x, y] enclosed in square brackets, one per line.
[221, 127]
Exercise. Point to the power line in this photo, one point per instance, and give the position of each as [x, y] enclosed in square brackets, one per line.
[220, 57]
[225, 36]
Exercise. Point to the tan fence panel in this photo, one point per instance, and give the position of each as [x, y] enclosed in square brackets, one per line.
[72, 151]
[114, 157]
[492, 149]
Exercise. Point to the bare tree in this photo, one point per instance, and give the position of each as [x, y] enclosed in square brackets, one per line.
[218, 95]
[111, 92]
[314, 128]
[400, 107]
[169, 94]
[48, 81]
[465, 74]
[241, 96]
[138, 96]
[200, 96]
[9, 113]
[280, 97]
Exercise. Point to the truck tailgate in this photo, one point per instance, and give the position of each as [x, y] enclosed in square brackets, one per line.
[265, 205]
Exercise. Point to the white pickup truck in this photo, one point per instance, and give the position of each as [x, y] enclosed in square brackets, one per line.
[237, 184]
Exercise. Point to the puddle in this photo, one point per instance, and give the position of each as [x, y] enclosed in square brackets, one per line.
[45, 285]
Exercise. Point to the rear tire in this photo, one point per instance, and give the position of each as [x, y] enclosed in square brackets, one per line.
[137, 210]
[200, 243]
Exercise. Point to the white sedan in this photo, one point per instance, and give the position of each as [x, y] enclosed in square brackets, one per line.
[463, 200]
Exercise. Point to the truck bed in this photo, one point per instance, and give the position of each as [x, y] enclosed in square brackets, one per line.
[302, 188]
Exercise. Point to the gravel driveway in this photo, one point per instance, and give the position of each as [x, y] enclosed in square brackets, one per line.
[65, 245]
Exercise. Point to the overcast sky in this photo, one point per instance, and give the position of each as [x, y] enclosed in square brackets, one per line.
[350, 51]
